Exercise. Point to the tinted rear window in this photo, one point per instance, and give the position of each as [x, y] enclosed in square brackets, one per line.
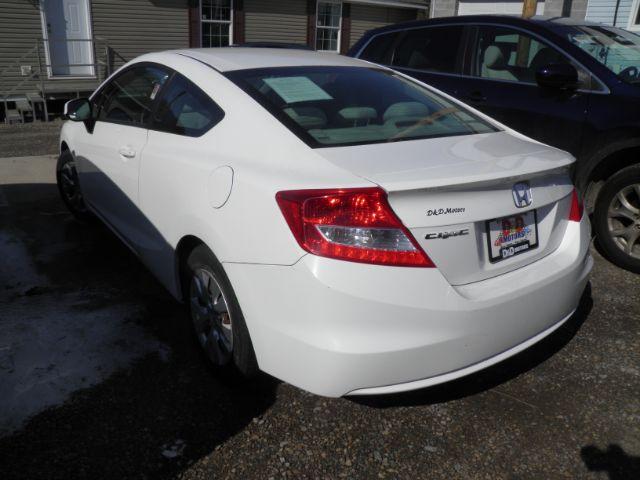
[378, 50]
[433, 49]
[336, 106]
[184, 109]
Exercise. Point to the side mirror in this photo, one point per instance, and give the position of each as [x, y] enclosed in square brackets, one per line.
[557, 76]
[78, 110]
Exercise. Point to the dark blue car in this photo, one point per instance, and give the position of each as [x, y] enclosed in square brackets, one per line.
[573, 85]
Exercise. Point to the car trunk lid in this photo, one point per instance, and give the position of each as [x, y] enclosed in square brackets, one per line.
[448, 190]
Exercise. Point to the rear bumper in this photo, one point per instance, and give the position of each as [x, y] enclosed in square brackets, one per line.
[337, 328]
[428, 382]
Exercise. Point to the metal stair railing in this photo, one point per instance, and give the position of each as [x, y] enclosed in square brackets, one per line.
[17, 62]
[102, 66]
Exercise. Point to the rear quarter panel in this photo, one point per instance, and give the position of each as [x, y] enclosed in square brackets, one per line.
[265, 158]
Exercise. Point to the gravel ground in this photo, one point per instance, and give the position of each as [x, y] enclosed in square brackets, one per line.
[567, 408]
[35, 138]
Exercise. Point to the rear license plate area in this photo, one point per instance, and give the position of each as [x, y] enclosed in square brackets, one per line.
[512, 235]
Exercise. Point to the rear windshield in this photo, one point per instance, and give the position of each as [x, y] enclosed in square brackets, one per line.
[338, 106]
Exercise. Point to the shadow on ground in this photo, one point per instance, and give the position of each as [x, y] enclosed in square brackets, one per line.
[150, 420]
[614, 461]
[492, 376]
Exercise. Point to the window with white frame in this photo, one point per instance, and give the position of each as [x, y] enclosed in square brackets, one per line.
[634, 17]
[216, 16]
[328, 22]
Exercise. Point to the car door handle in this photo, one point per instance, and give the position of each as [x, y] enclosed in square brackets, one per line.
[476, 96]
[127, 152]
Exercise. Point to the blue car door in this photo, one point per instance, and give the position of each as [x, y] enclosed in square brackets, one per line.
[502, 83]
[433, 55]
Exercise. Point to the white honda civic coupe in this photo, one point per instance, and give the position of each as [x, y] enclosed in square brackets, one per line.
[328, 221]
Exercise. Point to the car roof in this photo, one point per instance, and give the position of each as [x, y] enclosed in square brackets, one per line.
[550, 23]
[226, 59]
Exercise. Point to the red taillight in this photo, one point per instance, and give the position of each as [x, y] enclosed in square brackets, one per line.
[575, 214]
[350, 224]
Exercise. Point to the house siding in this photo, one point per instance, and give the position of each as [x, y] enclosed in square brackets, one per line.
[484, 7]
[135, 27]
[20, 29]
[560, 8]
[287, 20]
[275, 21]
[603, 11]
[129, 27]
[551, 8]
[367, 17]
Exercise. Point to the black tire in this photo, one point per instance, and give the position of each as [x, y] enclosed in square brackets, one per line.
[613, 246]
[242, 361]
[69, 187]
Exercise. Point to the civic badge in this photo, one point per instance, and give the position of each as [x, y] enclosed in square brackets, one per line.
[522, 194]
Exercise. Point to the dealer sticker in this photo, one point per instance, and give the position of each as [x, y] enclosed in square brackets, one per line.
[513, 235]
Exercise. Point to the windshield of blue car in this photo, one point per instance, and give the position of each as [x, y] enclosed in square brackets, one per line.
[616, 49]
[338, 106]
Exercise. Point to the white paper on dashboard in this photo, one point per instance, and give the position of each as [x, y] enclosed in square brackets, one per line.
[297, 89]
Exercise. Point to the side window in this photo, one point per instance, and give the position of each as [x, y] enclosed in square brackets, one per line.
[129, 97]
[379, 49]
[97, 101]
[184, 109]
[506, 54]
[434, 49]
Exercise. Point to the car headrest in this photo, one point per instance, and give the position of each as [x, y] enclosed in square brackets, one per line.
[358, 113]
[402, 110]
[417, 59]
[307, 117]
[494, 58]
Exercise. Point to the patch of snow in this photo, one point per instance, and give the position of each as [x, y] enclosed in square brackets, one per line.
[174, 450]
[52, 344]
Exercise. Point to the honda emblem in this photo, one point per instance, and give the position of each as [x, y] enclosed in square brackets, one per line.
[522, 194]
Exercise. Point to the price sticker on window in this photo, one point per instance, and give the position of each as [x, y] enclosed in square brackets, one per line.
[297, 89]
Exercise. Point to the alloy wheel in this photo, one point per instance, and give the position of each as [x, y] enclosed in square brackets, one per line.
[623, 220]
[211, 317]
[70, 186]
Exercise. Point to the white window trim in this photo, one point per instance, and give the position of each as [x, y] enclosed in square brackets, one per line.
[230, 22]
[632, 17]
[339, 28]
